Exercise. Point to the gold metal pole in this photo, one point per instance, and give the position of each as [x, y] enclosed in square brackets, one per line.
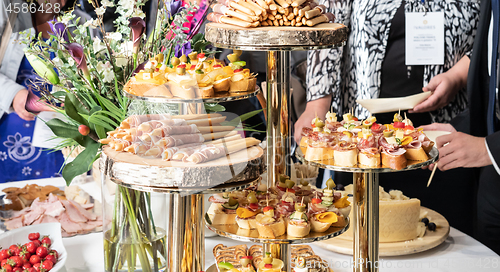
[365, 222]
[280, 251]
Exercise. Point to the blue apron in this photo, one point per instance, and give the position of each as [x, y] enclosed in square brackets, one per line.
[19, 160]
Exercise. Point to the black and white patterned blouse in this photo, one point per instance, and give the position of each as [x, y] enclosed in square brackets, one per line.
[354, 71]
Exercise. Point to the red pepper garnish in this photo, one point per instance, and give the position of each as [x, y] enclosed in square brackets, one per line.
[281, 188]
[316, 201]
[217, 66]
[268, 265]
[254, 206]
[267, 208]
[247, 257]
[291, 191]
[407, 127]
[398, 125]
[355, 118]
[238, 70]
[181, 66]
[192, 67]
[201, 55]
[375, 126]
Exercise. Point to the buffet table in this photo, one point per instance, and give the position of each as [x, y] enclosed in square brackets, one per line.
[458, 253]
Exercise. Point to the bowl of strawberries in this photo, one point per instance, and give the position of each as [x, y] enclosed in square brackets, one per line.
[33, 249]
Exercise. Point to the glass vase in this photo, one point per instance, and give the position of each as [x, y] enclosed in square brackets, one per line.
[134, 229]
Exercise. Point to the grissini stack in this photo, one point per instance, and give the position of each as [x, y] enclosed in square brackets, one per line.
[253, 13]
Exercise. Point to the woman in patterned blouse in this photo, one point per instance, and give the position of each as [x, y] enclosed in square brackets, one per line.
[372, 65]
[375, 52]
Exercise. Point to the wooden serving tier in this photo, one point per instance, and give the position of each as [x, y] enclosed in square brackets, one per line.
[276, 38]
[344, 244]
[127, 168]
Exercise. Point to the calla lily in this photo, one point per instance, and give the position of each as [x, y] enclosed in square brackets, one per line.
[59, 29]
[42, 68]
[137, 27]
[76, 51]
[173, 7]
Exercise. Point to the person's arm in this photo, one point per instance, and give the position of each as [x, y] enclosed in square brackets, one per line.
[444, 87]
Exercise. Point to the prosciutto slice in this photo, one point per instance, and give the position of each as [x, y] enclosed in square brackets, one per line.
[414, 145]
[178, 140]
[367, 143]
[207, 154]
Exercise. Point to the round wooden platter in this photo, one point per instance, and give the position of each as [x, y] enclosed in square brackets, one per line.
[127, 168]
[344, 244]
[281, 38]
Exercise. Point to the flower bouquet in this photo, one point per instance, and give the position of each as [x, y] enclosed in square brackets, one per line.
[88, 73]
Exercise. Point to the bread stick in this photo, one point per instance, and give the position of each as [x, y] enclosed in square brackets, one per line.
[227, 11]
[257, 10]
[270, 22]
[281, 22]
[276, 23]
[295, 11]
[274, 12]
[273, 7]
[287, 23]
[297, 3]
[302, 11]
[316, 11]
[207, 129]
[298, 24]
[281, 10]
[264, 23]
[262, 4]
[255, 7]
[290, 16]
[285, 19]
[292, 22]
[105, 141]
[207, 121]
[225, 139]
[304, 20]
[271, 17]
[323, 18]
[217, 135]
[282, 3]
[255, 24]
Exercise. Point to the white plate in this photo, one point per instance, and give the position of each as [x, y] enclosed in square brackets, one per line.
[53, 230]
[433, 134]
[381, 105]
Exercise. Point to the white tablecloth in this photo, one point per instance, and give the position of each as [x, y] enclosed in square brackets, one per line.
[459, 253]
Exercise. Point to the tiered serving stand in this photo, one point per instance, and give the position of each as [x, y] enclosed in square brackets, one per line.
[186, 184]
[278, 42]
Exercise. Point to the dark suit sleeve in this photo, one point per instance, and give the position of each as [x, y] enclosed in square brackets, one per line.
[493, 142]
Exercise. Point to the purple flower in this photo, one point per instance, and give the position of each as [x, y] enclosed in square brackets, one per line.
[137, 26]
[76, 51]
[59, 29]
[173, 7]
[185, 49]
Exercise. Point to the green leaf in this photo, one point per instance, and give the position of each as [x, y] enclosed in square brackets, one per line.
[65, 130]
[196, 38]
[214, 107]
[103, 121]
[72, 112]
[242, 118]
[200, 45]
[80, 104]
[101, 132]
[82, 163]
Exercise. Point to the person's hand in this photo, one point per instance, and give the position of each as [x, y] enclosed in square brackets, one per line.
[444, 87]
[318, 107]
[439, 127]
[461, 150]
[19, 105]
[303, 121]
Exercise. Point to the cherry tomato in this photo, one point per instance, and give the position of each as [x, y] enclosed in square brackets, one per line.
[42, 252]
[375, 126]
[4, 262]
[25, 255]
[34, 259]
[54, 252]
[17, 269]
[47, 265]
[31, 247]
[355, 119]
[4, 254]
[37, 267]
[27, 265]
[17, 260]
[316, 201]
[13, 249]
[34, 236]
[29, 269]
[46, 240]
[37, 243]
[7, 268]
[51, 258]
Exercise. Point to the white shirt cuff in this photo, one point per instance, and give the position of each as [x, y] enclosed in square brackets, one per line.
[491, 158]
